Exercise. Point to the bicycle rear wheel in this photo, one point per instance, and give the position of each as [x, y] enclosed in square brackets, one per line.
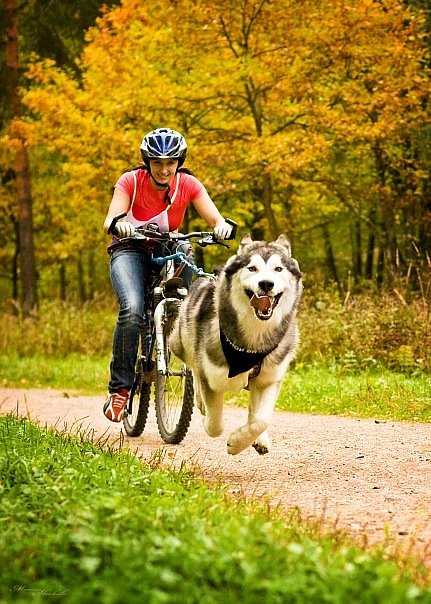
[134, 421]
[173, 394]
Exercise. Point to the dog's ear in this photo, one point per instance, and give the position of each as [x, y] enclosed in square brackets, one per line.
[293, 267]
[246, 240]
[284, 241]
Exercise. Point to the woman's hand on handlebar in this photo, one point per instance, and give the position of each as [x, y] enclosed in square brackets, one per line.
[222, 230]
[225, 229]
[123, 229]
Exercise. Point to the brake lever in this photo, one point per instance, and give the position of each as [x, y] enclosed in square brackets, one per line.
[210, 241]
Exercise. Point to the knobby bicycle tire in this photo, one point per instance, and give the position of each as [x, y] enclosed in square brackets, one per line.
[179, 389]
[140, 394]
[173, 436]
[137, 427]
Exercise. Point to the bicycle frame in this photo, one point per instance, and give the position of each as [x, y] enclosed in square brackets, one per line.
[155, 310]
[159, 311]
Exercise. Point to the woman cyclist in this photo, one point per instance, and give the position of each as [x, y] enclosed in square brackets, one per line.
[157, 192]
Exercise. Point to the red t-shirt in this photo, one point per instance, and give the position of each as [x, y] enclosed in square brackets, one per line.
[147, 202]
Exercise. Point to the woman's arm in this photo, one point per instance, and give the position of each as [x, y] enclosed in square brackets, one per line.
[120, 204]
[207, 210]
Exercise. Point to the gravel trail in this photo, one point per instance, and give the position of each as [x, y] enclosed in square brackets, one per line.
[363, 475]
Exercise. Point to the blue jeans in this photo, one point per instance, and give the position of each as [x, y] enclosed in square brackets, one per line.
[130, 272]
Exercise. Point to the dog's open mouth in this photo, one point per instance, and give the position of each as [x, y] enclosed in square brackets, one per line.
[263, 305]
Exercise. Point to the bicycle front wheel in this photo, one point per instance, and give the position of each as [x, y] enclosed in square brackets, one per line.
[173, 394]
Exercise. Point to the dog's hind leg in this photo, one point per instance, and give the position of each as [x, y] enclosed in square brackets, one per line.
[213, 420]
[199, 400]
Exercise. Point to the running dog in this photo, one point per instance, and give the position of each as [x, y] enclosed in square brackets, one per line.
[241, 332]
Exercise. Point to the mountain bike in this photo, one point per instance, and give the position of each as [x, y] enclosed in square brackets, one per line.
[156, 364]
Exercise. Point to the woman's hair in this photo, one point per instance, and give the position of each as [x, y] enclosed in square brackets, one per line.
[144, 167]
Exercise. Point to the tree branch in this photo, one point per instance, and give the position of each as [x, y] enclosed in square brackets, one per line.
[290, 123]
[252, 20]
[228, 37]
[268, 50]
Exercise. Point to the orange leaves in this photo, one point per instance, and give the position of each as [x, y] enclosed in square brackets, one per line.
[257, 87]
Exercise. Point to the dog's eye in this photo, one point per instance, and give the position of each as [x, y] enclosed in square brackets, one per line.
[278, 269]
[252, 269]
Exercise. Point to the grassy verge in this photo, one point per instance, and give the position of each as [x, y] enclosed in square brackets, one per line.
[83, 525]
[368, 393]
[377, 392]
[85, 374]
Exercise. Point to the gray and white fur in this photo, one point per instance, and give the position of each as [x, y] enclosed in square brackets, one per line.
[254, 302]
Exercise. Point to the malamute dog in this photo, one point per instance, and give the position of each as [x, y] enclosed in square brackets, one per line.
[239, 332]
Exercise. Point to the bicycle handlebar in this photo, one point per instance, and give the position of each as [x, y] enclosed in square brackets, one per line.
[145, 233]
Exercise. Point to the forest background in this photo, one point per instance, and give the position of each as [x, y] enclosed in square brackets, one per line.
[309, 118]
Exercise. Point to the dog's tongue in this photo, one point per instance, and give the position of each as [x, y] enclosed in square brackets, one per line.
[262, 303]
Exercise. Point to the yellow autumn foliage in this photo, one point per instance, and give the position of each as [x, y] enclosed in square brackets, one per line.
[282, 104]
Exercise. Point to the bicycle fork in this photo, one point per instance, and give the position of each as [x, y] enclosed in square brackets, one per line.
[160, 317]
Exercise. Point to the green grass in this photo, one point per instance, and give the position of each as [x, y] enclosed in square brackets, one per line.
[82, 525]
[377, 392]
[85, 374]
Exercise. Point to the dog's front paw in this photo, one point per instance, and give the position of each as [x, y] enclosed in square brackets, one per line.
[234, 448]
[244, 437]
[262, 444]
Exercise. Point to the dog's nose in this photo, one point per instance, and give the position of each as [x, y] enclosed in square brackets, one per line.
[266, 286]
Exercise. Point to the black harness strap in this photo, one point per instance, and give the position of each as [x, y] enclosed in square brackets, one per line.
[240, 360]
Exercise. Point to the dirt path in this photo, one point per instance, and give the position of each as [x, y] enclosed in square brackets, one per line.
[367, 476]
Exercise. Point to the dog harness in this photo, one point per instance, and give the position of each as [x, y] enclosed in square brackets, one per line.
[241, 360]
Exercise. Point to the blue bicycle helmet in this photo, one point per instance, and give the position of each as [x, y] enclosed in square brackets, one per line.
[163, 143]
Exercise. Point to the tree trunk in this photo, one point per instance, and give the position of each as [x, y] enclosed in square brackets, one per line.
[371, 244]
[15, 261]
[380, 269]
[22, 169]
[91, 272]
[330, 256]
[386, 223]
[356, 250]
[26, 244]
[62, 277]
[81, 281]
